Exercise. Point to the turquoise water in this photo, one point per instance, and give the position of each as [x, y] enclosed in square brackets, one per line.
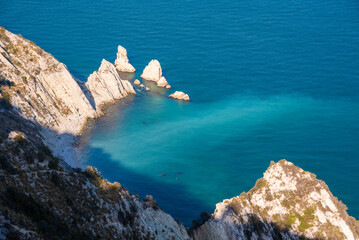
[267, 80]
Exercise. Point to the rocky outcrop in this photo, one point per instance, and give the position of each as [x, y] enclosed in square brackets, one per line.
[122, 64]
[42, 88]
[153, 72]
[16, 136]
[179, 95]
[45, 92]
[137, 82]
[287, 203]
[105, 85]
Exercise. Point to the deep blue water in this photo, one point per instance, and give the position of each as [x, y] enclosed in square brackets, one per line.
[267, 79]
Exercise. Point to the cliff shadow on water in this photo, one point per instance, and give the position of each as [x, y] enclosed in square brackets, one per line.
[162, 192]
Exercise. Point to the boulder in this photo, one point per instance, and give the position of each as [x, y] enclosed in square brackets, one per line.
[16, 136]
[179, 95]
[163, 83]
[153, 72]
[137, 82]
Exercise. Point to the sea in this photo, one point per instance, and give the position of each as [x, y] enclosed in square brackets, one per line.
[267, 80]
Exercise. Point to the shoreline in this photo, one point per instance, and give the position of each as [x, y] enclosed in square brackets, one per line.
[66, 146]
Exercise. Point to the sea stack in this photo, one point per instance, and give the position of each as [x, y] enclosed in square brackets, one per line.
[153, 72]
[179, 95]
[122, 64]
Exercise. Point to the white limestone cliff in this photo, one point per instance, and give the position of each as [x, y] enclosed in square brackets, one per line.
[45, 92]
[180, 96]
[287, 203]
[153, 72]
[122, 63]
[105, 85]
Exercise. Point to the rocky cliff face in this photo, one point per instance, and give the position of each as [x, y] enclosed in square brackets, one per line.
[105, 85]
[287, 203]
[41, 197]
[45, 92]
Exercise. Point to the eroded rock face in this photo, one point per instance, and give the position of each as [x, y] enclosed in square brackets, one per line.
[153, 72]
[105, 85]
[287, 203]
[43, 89]
[42, 198]
[180, 95]
[45, 92]
[122, 63]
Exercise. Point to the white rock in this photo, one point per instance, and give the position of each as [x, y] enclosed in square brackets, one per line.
[16, 134]
[50, 95]
[179, 95]
[122, 64]
[142, 86]
[148, 89]
[285, 192]
[105, 85]
[137, 82]
[153, 71]
[163, 82]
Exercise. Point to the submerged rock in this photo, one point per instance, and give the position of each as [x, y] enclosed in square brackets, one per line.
[287, 203]
[180, 95]
[153, 72]
[122, 63]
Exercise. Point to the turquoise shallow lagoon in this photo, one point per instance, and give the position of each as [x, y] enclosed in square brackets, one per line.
[267, 80]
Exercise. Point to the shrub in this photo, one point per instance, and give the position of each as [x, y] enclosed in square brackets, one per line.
[204, 217]
[20, 138]
[29, 157]
[6, 165]
[6, 96]
[54, 164]
[4, 104]
[151, 202]
[55, 179]
[116, 186]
